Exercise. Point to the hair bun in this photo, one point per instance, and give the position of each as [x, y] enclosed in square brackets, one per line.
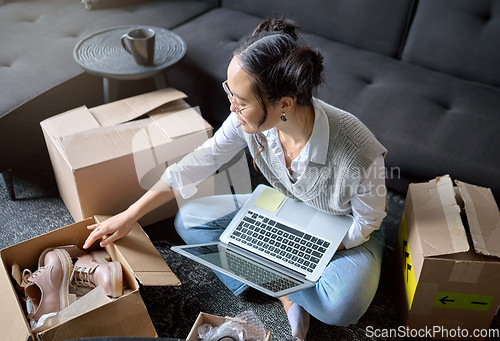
[285, 26]
[317, 63]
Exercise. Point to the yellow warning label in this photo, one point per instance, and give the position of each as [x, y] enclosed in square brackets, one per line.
[453, 300]
[409, 272]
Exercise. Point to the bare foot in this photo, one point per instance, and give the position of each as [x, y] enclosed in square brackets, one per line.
[297, 317]
[286, 303]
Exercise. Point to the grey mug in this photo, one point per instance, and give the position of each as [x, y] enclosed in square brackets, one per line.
[140, 43]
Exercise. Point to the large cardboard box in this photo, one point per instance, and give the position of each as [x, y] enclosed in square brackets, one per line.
[124, 316]
[450, 261]
[214, 321]
[105, 158]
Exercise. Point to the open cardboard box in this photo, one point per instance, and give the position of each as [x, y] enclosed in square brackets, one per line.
[124, 316]
[105, 158]
[214, 321]
[451, 269]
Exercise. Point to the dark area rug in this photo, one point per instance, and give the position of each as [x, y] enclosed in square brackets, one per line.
[39, 209]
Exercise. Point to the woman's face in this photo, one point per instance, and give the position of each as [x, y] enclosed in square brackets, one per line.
[244, 104]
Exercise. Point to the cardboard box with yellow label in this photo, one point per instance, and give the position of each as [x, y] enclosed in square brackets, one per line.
[450, 260]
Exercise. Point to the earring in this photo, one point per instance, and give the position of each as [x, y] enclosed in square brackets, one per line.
[283, 117]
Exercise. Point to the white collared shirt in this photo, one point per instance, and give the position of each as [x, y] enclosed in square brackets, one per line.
[314, 150]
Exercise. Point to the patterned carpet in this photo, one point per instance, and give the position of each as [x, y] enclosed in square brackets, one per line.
[39, 209]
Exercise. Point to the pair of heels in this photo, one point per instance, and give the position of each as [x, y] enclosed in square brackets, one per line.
[48, 287]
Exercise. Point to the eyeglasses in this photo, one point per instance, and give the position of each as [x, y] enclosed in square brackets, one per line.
[230, 96]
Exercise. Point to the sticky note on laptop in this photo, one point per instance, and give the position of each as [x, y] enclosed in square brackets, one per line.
[269, 200]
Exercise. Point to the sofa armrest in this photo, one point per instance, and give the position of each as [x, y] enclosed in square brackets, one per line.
[3, 2]
[102, 4]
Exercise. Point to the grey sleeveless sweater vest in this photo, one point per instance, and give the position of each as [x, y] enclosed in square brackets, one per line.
[351, 150]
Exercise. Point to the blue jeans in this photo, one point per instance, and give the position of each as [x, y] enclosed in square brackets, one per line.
[342, 294]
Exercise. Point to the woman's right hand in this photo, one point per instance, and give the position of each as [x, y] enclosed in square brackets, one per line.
[119, 226]
[111, 229]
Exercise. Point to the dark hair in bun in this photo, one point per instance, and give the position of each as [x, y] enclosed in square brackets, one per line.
[280, 64]
[285, 26]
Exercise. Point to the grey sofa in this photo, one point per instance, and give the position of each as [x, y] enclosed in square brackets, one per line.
[423, 75]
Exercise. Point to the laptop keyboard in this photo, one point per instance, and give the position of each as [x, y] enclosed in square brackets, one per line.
[279, 241]
[257, 274]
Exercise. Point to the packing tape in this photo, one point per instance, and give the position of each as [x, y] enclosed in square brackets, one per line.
[449, 324]
[424, 303]
[451, 210]
[474, 226]
[466, 272]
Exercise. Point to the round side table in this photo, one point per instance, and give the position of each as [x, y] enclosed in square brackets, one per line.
[102, 54]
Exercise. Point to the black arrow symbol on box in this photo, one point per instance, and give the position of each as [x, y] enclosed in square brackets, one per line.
[481, 303]
[444, 300]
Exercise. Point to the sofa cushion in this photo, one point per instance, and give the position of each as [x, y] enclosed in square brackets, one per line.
[459, 37]
[97, 4]
[211, 40]
[369, 24]
[431, 123]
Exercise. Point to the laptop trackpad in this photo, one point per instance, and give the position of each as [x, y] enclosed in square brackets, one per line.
[298, 213]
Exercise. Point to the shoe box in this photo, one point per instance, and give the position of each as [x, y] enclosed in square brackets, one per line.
[106, 157]
[217, 321]
[91, 315]
[449, 246]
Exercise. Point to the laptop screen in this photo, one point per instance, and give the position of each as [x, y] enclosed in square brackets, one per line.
[252, 272]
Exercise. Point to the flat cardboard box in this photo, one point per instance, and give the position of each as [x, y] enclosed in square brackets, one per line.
[105, 158]
[451, 269]
[214, 321]
[125, 316]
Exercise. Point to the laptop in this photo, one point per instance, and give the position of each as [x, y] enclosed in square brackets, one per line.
[275, 244]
